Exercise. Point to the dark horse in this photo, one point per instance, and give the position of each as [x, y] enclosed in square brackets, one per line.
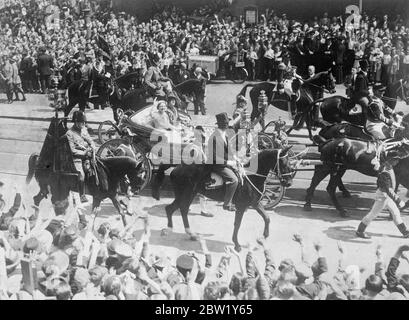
[307, 91]
[136, 99]
[337, 108]
[310, 89]
[98, 93]
[348, 147]
[111, 171]
[189, 180]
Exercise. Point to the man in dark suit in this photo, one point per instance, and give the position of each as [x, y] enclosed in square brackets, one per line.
[221, 155]
[45, 65]
[182, 74]
[359, 86]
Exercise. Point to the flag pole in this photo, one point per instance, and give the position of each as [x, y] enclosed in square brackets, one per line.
[360, 6]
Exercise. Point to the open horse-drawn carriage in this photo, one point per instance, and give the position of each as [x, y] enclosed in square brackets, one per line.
[135, 134]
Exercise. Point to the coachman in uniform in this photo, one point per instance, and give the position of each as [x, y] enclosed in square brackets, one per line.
[82, 148]
[381, 120]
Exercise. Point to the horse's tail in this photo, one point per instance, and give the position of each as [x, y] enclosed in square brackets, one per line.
[32, 161]
[244, 90]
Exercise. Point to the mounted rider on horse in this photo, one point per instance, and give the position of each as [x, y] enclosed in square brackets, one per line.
[82, 148]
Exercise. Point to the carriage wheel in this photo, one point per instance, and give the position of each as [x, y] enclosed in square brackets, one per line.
[273, 192]
[107, 130]
[239, 75]
[145, 174]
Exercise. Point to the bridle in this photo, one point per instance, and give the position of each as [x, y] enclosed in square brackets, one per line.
[276, 170]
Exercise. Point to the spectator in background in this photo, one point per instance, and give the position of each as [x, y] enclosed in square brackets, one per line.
[16, 80]
[7, 76]
[45, 65]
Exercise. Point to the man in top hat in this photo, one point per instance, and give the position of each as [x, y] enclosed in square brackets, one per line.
[359, 86]
[221, 154]
[380, 119]
[155, 80]
[385, 196]
[82, 148]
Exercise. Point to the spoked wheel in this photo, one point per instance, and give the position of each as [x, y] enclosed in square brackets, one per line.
[273, 192]
[107, 130]
[239, 75]
[108, 149]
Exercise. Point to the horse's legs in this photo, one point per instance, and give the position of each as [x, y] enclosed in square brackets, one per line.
[331, 188]
[320, 172]
[184, 210]
[237, 223]
[266, 219]
[158, 181]
[117, 206]
[340, 184]
[170, 209]
[41, 194]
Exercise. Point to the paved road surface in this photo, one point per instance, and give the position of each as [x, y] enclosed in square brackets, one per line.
[23, 127]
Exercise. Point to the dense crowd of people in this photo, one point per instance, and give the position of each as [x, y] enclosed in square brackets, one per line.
[66, 257]
[70, 260]
[39, 44]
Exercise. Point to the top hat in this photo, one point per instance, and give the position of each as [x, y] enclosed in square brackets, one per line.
[222, 119]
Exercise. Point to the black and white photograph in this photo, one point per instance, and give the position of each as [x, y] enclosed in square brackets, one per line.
[181, 150]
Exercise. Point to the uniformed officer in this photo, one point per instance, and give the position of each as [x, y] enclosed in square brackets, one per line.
[379, 125]
[156, 81]
[385, 196]
[82, 148]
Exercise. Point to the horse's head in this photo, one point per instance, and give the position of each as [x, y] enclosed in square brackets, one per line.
[296, 85]
[284, 168]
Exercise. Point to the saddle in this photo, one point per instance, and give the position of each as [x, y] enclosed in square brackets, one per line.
[214, 181]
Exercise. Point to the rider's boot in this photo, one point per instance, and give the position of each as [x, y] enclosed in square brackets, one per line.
[360, 232]
[402, 228]
[228, 197]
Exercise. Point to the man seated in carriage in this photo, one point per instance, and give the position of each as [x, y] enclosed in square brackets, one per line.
[382, 121]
